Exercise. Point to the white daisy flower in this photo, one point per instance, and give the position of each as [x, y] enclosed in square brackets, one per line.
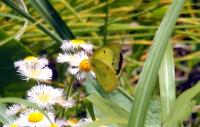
[58, 123]
[14, 123]
[62, 58]
[70, 102]
[80, 65]
[14, 109]
[34, 68]
[78, 123]
[44, 96]
[34, 118]
[75, 44]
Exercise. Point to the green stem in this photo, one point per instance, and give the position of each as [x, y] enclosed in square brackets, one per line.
[78, 99]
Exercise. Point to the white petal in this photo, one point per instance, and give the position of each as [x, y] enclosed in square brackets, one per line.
[24, 122]
[73, 70]
[14, 109]
[87, 47]
[34, 69]
[45, 74]
[44, 96]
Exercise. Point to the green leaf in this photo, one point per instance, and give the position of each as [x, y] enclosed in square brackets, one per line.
[12, 5]
[153, 116]
[182, 107]
[167, 83]
[109, 109]
[90, 109]
[3, 117]
[93, 87]
[107, 121]
[149, 73]
[11, 51]
[49, 13]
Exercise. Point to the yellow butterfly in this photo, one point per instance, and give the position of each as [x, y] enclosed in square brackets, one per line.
[106, 64]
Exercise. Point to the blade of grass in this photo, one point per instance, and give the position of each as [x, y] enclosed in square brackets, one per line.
[167, 83]
[49, 13]
[105, 28]
[12, 5]
[98, 6]
[182, 107]
[74, 12]
[2, 42]
[148, 76]
[194, 55]
[107, 121]
[90, 109]
[22, 5]
[108, 108]
[4, 14]
[125, 93]
[3, 117]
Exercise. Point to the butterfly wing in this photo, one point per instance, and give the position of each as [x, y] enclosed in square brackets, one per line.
[106, 77]
[110, 55]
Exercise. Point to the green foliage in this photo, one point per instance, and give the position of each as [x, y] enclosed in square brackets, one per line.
[149, 73]
[109, 106]
[11, 51]
[90, 109]
[108, 109]
[167, 82]
[3, 117]
[182, 107]
[130, 23]
[49, 13]
[29, 17]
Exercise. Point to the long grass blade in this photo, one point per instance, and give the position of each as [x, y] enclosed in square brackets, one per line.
[182, 108]
[105, 27]
[12, 5]
[149, 74]
[72, 9]
[21, 31]
[49, 13]
[167, 83]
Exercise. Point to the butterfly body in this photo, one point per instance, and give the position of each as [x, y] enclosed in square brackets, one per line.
[106, 64]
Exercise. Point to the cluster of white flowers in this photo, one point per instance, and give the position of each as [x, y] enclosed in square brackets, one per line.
[45, 97]
[76, 53]
[34, 118]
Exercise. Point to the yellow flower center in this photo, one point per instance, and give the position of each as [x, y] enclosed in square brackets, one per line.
[34, 73]
[85, 65]
[73, 122]
[35, 117]
[53, 125]
[77, 41]
[30, 58]
[43, 97]
[13, 125]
